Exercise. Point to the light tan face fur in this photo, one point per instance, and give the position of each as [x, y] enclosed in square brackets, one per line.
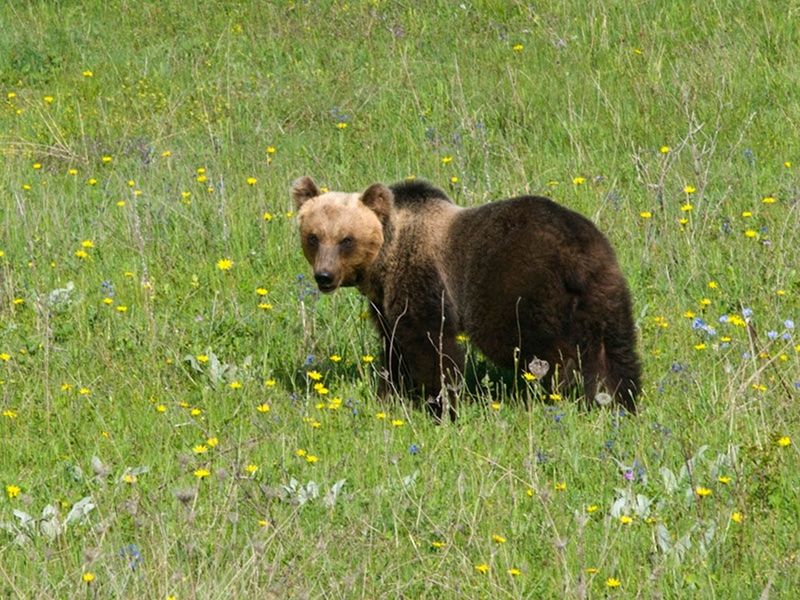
[341, 238]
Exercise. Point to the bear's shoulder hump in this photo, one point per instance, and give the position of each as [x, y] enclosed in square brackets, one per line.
[416, 191]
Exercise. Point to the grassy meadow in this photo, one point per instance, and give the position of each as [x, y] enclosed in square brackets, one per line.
[182, 415]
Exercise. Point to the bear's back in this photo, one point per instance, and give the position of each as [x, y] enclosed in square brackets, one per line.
[415, 192]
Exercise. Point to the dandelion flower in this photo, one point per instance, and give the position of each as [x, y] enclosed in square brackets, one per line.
[311, 459]
[380, 415]
[129, 478]
[212, 442]
[689, 189]
[701, 491]
[202, 358]
[201, 473]
[335, 358]
[200, 449]
[560, 486]
[664, 149]
[447, 160]
[528, 376]
[368, 358]
[784, 441]
[270, 383]
[496, 405]
[517, 47]
[12, 491]
[88, 73]
[724, 479]
[626, 520]
[224, 264]
[482, 568]
[646, 214]
[342, 125]
[592, 508]
[768, 200]
[514, 572]
[88, 577]
[261, 291]
[398, 422]
[737, 517]
[454, 180]
[252, 181]
[613, 582]
[263, 407]
[161, 408]
[437, 544]
[235, 385]
[251, 469]
[578, 180]
[498, 539]
[314, 375]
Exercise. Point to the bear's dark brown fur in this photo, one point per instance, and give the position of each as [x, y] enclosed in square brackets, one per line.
[525, 278]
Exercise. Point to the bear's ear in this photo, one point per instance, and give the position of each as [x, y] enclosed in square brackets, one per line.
[304, 189]
[379, 199]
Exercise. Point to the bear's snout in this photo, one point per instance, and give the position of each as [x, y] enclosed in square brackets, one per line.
[324, 281]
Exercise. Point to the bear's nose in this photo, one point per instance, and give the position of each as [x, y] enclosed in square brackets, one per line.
[324, 279]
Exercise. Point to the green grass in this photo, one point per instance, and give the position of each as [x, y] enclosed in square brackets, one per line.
[103, 396]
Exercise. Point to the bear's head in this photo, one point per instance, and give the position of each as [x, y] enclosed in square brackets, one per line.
[341, 233]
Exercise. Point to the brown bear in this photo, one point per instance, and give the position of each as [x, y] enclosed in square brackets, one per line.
[526, 279]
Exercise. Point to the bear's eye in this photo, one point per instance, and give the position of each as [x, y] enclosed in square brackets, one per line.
[312, 241]
[346, 242]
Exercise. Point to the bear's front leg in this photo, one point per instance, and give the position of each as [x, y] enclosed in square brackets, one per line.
[430, 364]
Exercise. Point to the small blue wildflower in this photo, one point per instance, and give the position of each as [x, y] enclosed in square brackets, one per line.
[788, 324]
[723, 319]
[749, 156]
[772, 335]
[787, 336]
[698, 323]
[413, 449]
[747, 313]
[133, 554]
[309, 360]
[746, 355]
[541, 457]
[677, 367]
